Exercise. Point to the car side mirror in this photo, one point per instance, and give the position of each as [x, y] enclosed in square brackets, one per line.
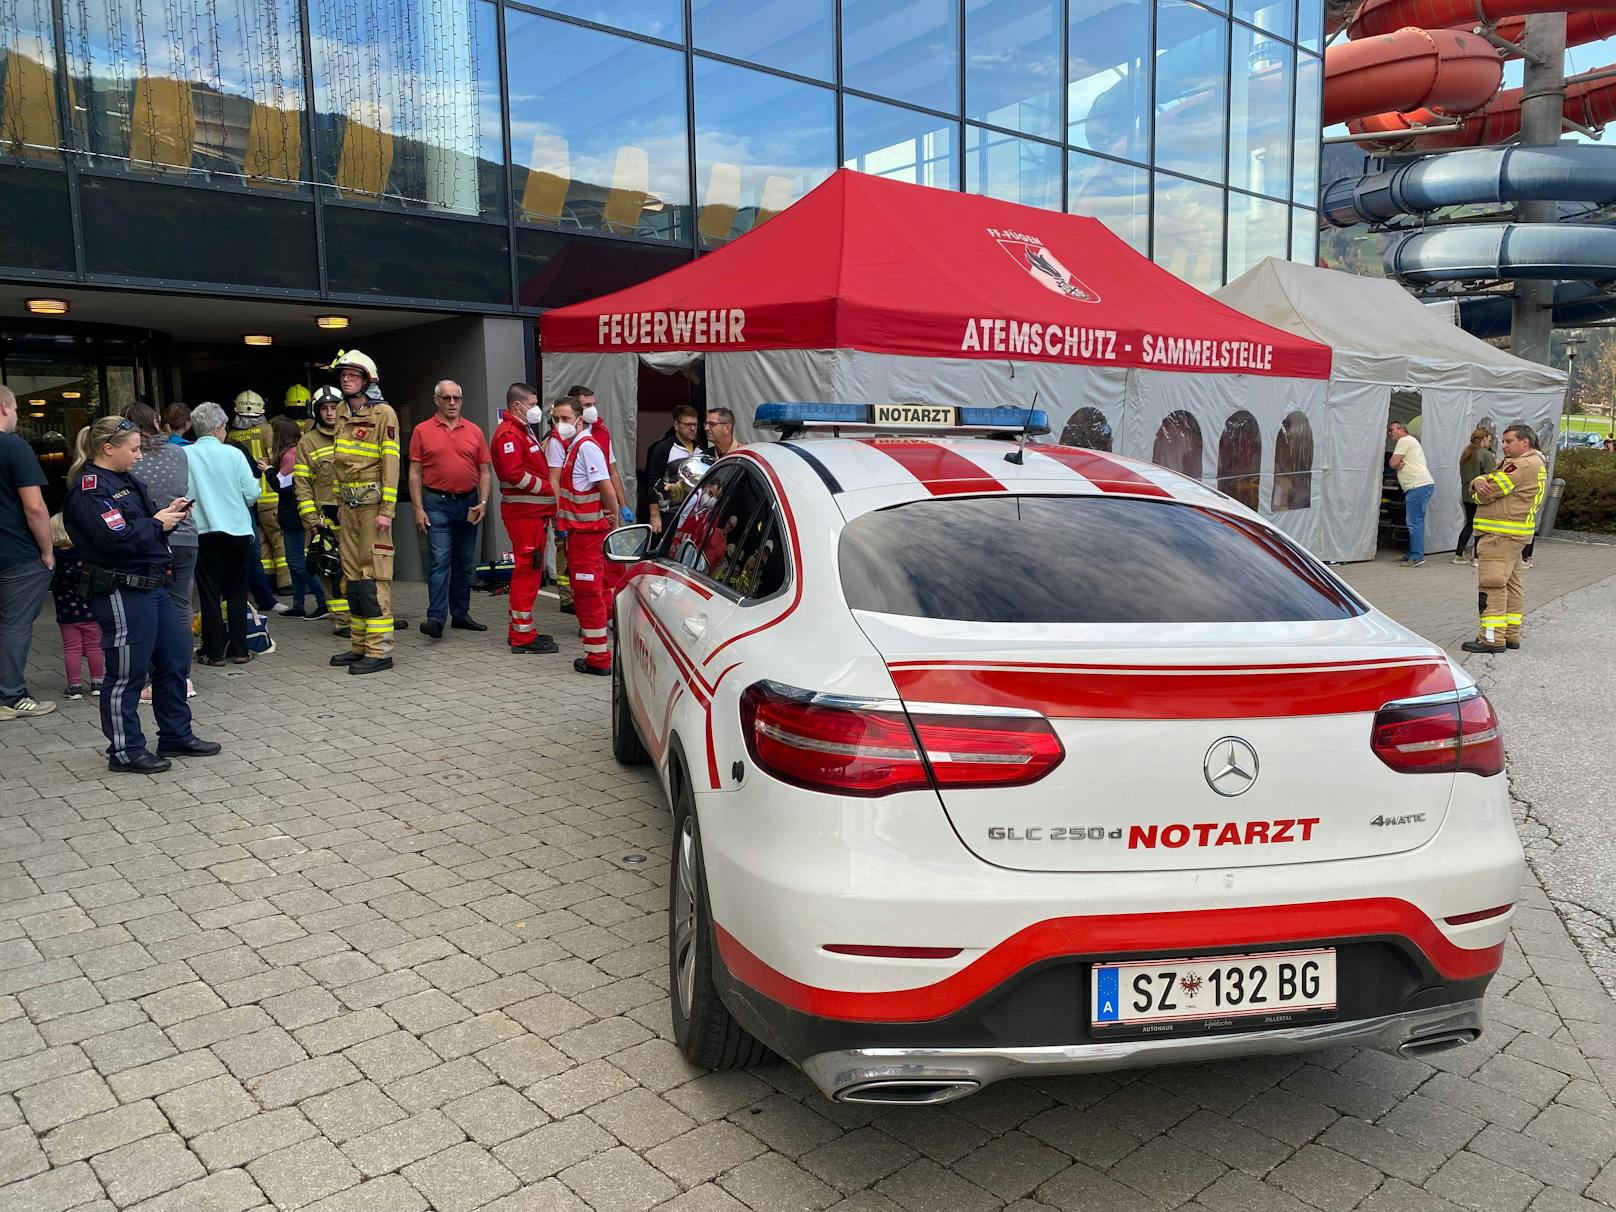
[627, 544]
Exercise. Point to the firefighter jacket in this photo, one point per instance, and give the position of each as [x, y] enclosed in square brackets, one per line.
[523, 471]
[1522, 481]
[314, 473]
[257, 442]
[365, 456]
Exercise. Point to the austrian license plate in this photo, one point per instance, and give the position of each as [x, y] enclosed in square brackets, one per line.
[1230, 992]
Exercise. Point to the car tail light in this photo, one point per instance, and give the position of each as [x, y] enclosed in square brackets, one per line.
[870, 747]
[1445, 734]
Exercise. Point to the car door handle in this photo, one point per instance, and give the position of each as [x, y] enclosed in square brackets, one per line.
[695, 626]
[656, 589]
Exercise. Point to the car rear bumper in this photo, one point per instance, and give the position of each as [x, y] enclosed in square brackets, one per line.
[934, 1075]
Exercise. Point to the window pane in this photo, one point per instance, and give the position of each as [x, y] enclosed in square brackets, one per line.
[36, 226]
[1293, 464]
[1274, 16]
[409, 109]
[1089, 429]
[1081, 559]
[792, 35]
[761, 143]
[1118, 195]
[1308, 114]
[1304, 236]
[1178, 444]
[659, 18]
[1108, 77]
[907, 49]
[375, 252]
[597, 130]
[900, 143]
[1189, 90]
[1257, 229]
[1259, 113]
[554, 269]
[1240, 459]
[1189, 231]
[221, 92]
[1310, 25]
[1017, 170]
[1012, 64]
[29, 122]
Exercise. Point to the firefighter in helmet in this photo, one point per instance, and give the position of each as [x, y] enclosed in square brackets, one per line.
[314, 480]
[252, 434]
[365, 466]
[296, 406]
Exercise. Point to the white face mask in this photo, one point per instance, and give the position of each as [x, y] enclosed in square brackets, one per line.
[535, 415]
[591, 414]
[565, 430]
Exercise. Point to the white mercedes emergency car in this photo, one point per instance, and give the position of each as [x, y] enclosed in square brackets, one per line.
[991, 759]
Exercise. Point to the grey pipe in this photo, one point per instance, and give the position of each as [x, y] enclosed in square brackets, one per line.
[1508, 251]
[1489, 315]
[1573, 172]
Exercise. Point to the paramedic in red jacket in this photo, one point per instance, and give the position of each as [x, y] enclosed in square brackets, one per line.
[526, 506]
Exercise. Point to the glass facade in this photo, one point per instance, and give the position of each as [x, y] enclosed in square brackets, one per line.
[492, 155]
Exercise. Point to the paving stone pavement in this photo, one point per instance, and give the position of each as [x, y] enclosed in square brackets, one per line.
[389, 953]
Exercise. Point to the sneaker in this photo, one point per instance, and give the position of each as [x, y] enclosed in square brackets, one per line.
[76, 692]
[281, 608]
[1461, 560]
[319, 612]
[145, 694]
[95, 690]
[1526, 563]
[291, 612]
[25, 707]
[190, 689]
[1419, 563]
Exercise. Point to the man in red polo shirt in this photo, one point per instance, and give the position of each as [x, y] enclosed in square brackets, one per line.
[450, 482]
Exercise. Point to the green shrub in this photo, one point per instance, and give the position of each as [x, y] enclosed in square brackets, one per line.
[1590, 492]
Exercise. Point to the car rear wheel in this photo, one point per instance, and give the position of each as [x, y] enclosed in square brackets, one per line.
[703, 1027]
[627, 747]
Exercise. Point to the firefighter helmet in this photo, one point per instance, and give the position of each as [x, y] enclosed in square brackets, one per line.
[249, 404]
[323, 559]
[359, 362]
[297, 400]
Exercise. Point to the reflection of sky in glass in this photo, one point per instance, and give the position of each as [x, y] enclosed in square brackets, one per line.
[904, 49]
[581, 98]
[1304, 235]
[659, 18]
[1256, 230]
[1017, 170]
[27, 31]
[1013, 64]
[1309, 76]
[1189, 91]
[1118, 195]
[1108, 75]
[890, 141]
[792, 35]
[1086, 559]
[1259, 114]
[778, 135]
[1189, 231]
[1274, 16]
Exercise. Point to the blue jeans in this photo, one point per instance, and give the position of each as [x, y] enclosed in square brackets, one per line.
[23, 587]
[258, 586]
[303, 583]
[141, 630]
[1415, 502]
[452, 550]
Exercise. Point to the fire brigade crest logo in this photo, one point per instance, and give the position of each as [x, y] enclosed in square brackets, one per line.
[1043, 266]
[1191, 984]
[360, 433]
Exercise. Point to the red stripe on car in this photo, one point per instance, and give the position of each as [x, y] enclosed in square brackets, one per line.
[1101, 692]
[942, 471]
[1116, 936]
[1108, 475]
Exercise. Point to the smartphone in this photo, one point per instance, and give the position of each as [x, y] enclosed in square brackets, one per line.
[187, 502]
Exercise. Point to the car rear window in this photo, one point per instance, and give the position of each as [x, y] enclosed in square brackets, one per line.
[1087, 559]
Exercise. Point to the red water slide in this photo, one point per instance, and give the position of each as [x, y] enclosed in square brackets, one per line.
[1411, 63]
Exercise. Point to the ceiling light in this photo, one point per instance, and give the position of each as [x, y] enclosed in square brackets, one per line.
[331, 322]
[48, 307]
[258, 338]
[37, 403]
[71, 395]
[38, 416]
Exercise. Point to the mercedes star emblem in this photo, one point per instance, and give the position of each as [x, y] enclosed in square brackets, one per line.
[1231, 766]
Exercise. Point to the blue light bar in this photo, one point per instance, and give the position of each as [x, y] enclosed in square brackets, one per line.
[901, 417]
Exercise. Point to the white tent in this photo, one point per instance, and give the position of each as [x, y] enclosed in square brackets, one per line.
[1385, 343]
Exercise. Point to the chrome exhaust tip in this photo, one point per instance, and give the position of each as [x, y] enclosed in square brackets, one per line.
[1428, 1045]
[901, 1092]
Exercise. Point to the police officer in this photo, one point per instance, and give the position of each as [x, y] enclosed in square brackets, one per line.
[365, 470]
[124, 540]
[314, 481]
[1507, 501]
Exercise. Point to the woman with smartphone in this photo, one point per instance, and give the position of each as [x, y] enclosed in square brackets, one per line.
[123, 539]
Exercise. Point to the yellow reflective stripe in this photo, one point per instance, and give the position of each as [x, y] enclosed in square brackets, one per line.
[357, 484]
[302, 469]
[390, 447]
[1515, 619]
[1494, 620]
[390, 494]
[305, 509]
[1505, 484]
[1499, 526]
[369, 448]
